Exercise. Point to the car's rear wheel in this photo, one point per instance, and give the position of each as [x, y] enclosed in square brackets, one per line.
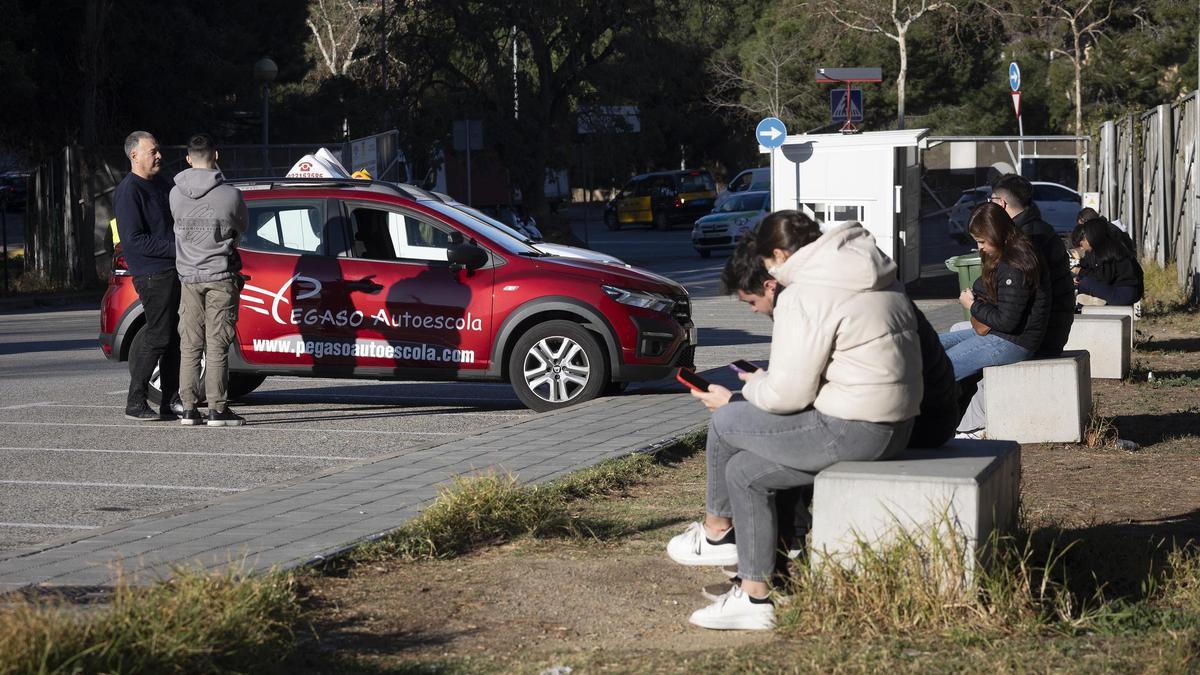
[240, 384]
[610, 220]
[557, 364]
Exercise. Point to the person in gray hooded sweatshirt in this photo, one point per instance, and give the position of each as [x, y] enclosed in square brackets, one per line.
[210, 218]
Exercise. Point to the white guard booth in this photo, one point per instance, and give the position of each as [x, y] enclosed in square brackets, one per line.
[872, 177]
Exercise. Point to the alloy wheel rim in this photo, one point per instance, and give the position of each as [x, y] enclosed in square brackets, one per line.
[557, 369]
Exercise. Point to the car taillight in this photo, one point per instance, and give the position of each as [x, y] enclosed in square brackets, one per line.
[119, 268]
[678, 203]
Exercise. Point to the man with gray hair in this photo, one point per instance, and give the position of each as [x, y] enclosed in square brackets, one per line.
[148, 244]
[210, 218]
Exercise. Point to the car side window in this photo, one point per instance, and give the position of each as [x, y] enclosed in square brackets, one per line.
[1052, 193]
[631, 189]
[380, 234]
[291, 227]
[740, 183]
[662, 186]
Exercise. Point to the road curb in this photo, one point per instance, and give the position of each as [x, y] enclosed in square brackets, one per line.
[36, 301]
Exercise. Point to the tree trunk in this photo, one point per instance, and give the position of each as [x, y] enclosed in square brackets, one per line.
[1078, 63]
[901, 77]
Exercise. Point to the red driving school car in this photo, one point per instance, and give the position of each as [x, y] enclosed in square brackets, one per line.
[371, 280]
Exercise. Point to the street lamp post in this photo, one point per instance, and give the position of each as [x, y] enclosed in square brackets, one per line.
[265, 71]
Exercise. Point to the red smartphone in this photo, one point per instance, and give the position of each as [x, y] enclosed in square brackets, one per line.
[743, 366]
[692, 380]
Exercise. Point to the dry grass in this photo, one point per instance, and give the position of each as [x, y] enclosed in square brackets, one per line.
[1163, 293]
[196, 623]
[1101, 431]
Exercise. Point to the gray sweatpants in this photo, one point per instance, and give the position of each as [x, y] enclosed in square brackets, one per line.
[752, 454]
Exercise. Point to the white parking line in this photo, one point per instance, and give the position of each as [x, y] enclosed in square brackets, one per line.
[254, 427]
[50, 526]
[332, 458]
[27, 405]
[136, 486]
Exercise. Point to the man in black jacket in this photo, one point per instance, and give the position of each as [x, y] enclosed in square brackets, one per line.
[148, 241]
[1015, 195]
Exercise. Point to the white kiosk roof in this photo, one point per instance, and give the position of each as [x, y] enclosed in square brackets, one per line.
[896, 139]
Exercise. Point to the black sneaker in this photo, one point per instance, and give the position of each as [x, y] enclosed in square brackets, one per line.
[225, 418]
[141, 413]
[177, 405]
[191, 417]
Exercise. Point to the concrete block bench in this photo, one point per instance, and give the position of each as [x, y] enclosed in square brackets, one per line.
[1113, 310]
[1040, 400]
[1108, 340]
[971, 485]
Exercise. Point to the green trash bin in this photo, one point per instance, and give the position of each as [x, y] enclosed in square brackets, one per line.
[968, 267]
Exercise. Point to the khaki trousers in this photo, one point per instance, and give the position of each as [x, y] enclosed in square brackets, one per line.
[207, 320]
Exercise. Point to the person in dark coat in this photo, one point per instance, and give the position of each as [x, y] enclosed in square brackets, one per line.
[1009, 303]
[1014, 194]
[1109, 274]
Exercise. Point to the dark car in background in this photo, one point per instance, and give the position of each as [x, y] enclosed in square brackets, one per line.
[14, 188]
[662, 199]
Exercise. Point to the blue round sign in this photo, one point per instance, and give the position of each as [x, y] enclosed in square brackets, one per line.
[1014, 76]
[770, 133]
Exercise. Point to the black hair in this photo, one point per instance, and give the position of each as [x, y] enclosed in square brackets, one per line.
[201, 148]
[744, 271]
[1105, 247]
[787, 230]
[1085, 214]
[1017, 189]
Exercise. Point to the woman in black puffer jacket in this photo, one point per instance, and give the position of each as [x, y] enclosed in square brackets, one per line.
[1109, 274]
[1009, 303]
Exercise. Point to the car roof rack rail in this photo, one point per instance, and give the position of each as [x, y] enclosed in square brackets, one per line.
[402, 189]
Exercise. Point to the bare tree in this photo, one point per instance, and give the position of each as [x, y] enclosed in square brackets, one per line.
[890, 19]
[1084, 27]
[760, 85]
[337, 26]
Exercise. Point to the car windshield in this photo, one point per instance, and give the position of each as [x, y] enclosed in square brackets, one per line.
[973, 196]
[696, 182]
[503, 236]
[744, 203]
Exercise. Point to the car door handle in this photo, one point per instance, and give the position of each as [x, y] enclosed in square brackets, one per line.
[364, 285]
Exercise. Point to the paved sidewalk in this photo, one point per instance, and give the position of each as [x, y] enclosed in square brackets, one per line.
[302, 521]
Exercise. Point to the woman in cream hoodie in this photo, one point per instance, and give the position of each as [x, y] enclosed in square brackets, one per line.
[844, 383]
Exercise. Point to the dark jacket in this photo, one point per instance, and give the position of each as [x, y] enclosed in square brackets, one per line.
[1062, 285]
[935, 423]
[145, 224]
[1123, 271]
[1018, 313]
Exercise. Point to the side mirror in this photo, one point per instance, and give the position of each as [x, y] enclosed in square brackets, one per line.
[467, 255]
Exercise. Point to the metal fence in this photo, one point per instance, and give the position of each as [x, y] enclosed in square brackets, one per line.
[1149, 178]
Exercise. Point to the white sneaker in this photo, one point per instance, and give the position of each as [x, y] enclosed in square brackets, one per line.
[734, 611]
[976, 435]
[692, 548]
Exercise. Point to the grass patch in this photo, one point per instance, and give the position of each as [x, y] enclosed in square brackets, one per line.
[196, 623]
[1162, 291]
[489, 509]
[1101, 431]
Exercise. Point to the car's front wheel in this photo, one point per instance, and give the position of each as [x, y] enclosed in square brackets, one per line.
[557, 364]
[240, 384]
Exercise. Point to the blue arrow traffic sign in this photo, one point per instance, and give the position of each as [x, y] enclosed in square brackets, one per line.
[770, 133]
[1014, 76]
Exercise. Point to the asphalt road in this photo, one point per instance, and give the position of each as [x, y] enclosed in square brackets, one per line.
[72, 462]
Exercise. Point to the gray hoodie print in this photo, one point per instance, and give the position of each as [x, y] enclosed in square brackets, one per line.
[210, 218]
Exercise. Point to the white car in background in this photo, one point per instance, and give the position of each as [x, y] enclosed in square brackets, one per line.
[1058, 204]
[728, 223]
[750, 180]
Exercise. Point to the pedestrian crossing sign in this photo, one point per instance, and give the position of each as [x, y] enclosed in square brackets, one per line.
[837, 105]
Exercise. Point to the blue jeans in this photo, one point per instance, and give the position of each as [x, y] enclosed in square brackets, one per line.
[970, 353]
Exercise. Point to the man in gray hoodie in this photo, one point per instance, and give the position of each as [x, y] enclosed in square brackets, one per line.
[210, 218]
